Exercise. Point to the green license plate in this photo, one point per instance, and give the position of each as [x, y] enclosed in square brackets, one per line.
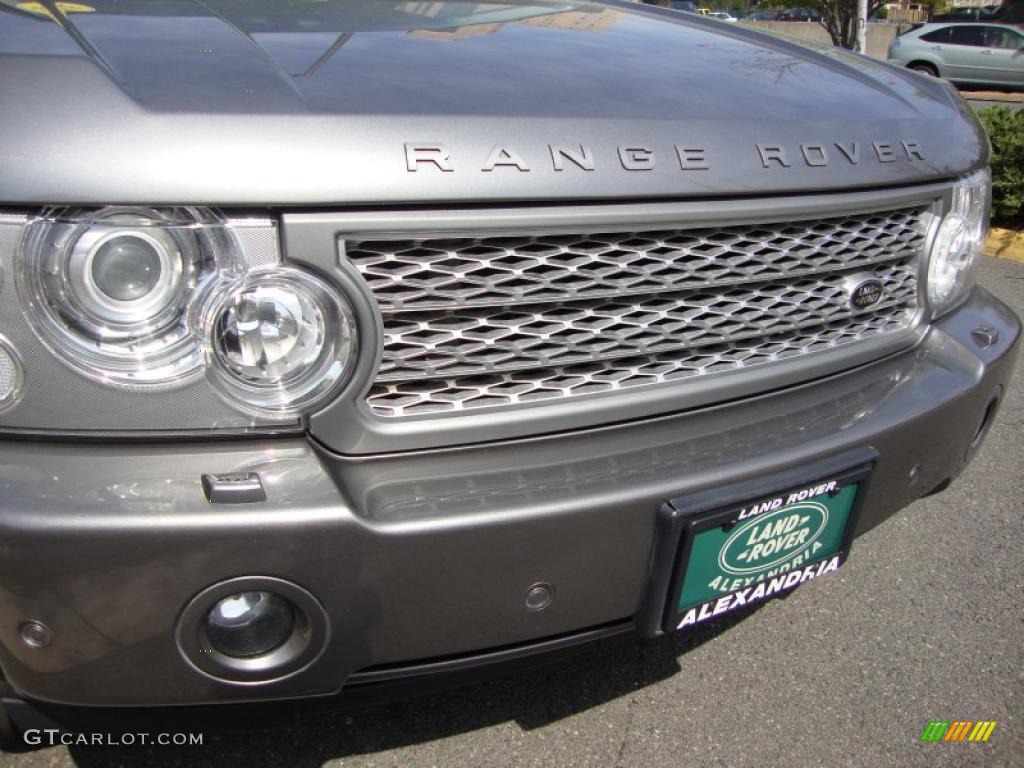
[749, 551]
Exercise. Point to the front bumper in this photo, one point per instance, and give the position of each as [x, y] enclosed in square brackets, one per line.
[429, 555]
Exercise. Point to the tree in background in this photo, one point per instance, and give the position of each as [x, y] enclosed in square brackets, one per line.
[839, 18]
[1012, 11]
[738, 8]
[1006, 131]
[934, 6]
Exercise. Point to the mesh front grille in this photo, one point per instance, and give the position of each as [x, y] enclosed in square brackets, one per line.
[472, 322]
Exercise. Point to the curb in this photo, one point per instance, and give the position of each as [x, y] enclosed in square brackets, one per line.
[1000, 96]
[1005, 243]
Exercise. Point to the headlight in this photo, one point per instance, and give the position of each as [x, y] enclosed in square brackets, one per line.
[157, 302]
[279, 339]
[959, 242]
[109, 292]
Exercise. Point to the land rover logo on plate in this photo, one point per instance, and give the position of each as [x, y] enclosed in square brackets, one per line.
[773, 539]
[866, 293]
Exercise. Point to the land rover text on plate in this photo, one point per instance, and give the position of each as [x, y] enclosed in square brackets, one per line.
[351, 342]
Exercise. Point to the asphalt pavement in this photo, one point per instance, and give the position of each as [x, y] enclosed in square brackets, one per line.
[923, 623]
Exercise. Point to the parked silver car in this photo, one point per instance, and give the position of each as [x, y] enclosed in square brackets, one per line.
[983, 54]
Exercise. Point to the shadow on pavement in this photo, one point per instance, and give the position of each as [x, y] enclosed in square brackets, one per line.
[590, 676]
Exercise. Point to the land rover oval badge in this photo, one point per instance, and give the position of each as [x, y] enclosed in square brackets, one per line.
[865, 293]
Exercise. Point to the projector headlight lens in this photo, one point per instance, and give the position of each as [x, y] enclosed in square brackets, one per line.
[281, 340]
[958, 243]
[124, 281]
[127, 267]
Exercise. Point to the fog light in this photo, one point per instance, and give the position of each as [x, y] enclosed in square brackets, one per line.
[250, 624]
[281, 341]
[252, 629]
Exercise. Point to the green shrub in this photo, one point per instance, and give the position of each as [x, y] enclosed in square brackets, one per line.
[1006, 131]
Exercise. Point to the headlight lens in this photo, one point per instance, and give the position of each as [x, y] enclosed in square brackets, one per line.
[959, 242]
[125, 281]
[129, 266]
[279, 340]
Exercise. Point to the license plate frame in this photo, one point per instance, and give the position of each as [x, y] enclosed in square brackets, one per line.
[682, 519]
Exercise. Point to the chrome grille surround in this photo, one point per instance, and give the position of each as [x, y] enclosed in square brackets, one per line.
[508, 320]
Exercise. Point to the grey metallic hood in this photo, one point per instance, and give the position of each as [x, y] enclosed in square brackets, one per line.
[290, 103]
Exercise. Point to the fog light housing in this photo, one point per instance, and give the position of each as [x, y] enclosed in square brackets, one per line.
[280, 341]
[252, 630]
[249, 624]
[958, 243]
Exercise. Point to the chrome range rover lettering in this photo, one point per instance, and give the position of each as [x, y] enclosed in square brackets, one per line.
[638, 157]
[557, 157]
[853, 153]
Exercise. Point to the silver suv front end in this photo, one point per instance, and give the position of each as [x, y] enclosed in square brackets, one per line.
[476, 416]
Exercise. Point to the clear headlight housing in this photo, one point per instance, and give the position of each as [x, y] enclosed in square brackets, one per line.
[959, 243]
[109, 291]
[279, 339]
[156, 299]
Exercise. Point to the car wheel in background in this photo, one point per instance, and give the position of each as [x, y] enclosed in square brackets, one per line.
[924, 68]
